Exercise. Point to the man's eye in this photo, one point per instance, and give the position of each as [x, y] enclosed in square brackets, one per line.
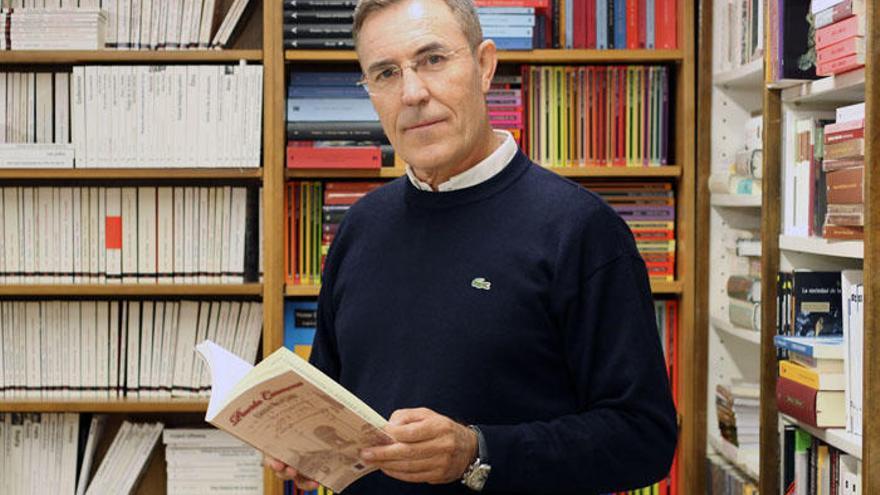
[434, 59]
[385, 74]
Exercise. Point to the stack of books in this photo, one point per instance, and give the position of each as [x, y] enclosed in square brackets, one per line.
[597, 115]
[511, 28]
[203, 460]
[649, 210]
[844, 167]
[747, 411]
[724, 477]
[810, 327]
[840, 35]
[53, 29]
[318, 24]
[506, 105]
[338, 198]
[35, 120]
[743, 177]
[744, 303]
[127, 458]
[333, 102]
[725, 414]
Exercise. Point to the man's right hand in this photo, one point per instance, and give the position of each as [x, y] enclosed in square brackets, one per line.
[286, 472]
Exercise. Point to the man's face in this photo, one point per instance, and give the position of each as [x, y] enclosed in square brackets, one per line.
[434, 119]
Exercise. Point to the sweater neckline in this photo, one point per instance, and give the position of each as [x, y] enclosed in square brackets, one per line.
[445, 199]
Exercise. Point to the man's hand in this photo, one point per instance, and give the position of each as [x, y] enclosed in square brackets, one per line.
[428, 448]
[285, 472]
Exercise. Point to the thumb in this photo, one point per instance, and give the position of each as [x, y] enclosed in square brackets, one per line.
[406, 416]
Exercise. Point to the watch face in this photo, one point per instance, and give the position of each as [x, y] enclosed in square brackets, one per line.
[476, 479]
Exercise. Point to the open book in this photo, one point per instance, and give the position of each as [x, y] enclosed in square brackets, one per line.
[292, 411]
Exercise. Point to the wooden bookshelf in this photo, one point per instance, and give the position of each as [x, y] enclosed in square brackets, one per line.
[736, 201]
[106, 405]
[721, 323]
[829, 92]
[542, 56]
[172, 174]
[59, 57]
[131, 290]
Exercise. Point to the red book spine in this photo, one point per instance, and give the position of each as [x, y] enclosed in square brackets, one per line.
[590, 31]
[841, 65]
[632, 24]
[840, 49]
[538, 4]
[839, 31]
[665, 24]
[796, 400]
[579, 37]
[844, 135]
[643, 32]
[334, 157]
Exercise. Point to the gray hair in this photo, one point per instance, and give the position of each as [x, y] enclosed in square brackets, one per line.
[463, 10]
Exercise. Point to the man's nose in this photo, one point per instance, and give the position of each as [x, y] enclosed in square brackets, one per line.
[414, 91]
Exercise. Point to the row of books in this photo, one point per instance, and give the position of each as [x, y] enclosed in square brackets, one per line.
[740, 33]
[123, 24]
[72, 349]
[648, 208]
[811, 466]
[820, 335]
[824, 173]
[597, 115]
[205, 460]
[39, 451]
[318, 24]
[744, 175]
[723, 478]
[129, 235]
[313, 212]
[133, 116]
[839, 35]
[505, 104]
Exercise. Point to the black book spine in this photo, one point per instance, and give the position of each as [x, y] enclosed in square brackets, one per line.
[319, 4]
[335, 131]
[319, 43]
[251, 236]
[297, 31]
[340, 16]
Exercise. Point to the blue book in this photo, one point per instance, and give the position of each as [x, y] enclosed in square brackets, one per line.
[489, 20]
[326, 92]
[814, 347]
[324, 109]
[620, 24]
[505, 10]
[513, 43]
[303, 78]
[300, 322]
[649, 24]
[601, 24]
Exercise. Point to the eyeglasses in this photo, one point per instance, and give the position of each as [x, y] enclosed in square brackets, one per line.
[388, 79]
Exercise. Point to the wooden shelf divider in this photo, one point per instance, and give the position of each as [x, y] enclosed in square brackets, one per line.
[128, 290]
[30, 57]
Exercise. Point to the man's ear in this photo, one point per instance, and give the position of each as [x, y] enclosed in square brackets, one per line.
[487, 57]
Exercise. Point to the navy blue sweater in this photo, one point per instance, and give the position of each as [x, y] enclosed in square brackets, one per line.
[557, 358]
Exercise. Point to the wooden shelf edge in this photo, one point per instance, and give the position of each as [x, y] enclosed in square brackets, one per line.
[78, 290]
[131, 173]
[822, 247]
[733, 455]
[835, 437]
[838, 88]
[745, 334]
[127, 56]
[515, 56]
[745, 77]
[103, 405]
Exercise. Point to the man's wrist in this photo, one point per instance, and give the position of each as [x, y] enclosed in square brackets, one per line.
[477, 472]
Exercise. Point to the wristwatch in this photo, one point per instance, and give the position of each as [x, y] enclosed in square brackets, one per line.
[477, 473]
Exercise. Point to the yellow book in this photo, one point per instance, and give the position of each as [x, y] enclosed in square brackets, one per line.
[561, 116]
[300, 235]
[546, 116]
[811, 378]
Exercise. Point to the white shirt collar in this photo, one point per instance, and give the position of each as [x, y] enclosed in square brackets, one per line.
[480, 172]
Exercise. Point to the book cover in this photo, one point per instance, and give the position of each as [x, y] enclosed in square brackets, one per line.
[290, 410]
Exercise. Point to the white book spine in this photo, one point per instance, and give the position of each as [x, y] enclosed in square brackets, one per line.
[66, 214]
[146, 24]
[169, 341]
[89, 341]
[129, 235]
[30, 108]
[69, 449]
[203, 219]
[216, 235]
[146, 348]
[134, 37]
[29, 245]
[103, 347]
[4, 96]
[165, 234]
[76, 226]
[225, 213]
[190, 233]
[186, 340]
[44, 235]
[179, 256]
[11, 233]
[62, 107]
[74, 358]
[114, 350]
[195, 23]
[43, 115]
[78, 115]
[156, 14]
[195, 378]
[32, 349]
[132, 375]
[158, 352]
[186, 23]
[147, 235]
[238, 221]
[206, 23]
[253, 332]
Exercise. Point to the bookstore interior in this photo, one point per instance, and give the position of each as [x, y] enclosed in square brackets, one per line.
[734, 138]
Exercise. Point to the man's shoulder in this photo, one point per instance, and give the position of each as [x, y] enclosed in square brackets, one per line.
[566, 197]
[379, 202]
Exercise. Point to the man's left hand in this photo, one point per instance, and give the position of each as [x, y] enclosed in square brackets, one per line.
[428, 448]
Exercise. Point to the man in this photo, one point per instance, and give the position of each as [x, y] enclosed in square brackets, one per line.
[499, 314]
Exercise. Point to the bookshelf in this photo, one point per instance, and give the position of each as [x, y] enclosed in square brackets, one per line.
[261, 42]
[727, 98]
[785, 252]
